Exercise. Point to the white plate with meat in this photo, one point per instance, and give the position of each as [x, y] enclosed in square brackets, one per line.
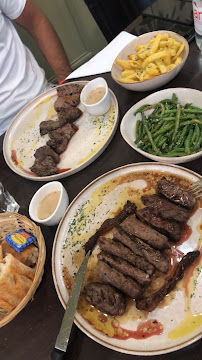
[23, 137]
[176, 321]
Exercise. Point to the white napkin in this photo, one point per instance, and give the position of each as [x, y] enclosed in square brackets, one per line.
[102, 62]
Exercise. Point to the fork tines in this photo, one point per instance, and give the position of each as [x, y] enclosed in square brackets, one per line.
[196, 188]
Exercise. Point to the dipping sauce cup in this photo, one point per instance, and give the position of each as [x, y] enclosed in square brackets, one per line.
[62, 203]
[98, 90]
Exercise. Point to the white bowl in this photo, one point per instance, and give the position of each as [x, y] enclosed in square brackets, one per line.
[102, 106]
[128, 123]
[62, 205]
[158, 81]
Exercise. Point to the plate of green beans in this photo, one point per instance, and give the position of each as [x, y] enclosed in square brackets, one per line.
[166, 126]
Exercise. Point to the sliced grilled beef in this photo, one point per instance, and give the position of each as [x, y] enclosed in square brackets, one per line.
[116, 248]
[165, 208]
[62, 102]
[69, 114]
[44, 151]
[139, 247]
[150, 303]
[58, 145]
[45, 167]
[115, 278]
[135, 227]
[168, 227]
[50, 125]
[175, 193]
[126, 268]
[105, 298]
[128, 209]
[60, 137]
[69, 89]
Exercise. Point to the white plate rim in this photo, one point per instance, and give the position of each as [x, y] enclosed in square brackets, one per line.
[171, 160]
[76, 321]
[69, 172]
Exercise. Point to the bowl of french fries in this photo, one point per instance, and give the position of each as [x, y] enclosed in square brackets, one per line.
[150, 60]
[166, 126]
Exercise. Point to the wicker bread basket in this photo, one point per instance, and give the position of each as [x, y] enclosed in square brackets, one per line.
[10, 222]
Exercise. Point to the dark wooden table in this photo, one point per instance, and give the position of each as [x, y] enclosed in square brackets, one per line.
[32, 334]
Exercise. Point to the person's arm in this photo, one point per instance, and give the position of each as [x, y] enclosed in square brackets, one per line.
[37, 24]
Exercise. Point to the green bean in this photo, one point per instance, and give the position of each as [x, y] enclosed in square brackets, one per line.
[194, 121]
[137, 130]
[174, 154]
[196, 134]
[187, 141]
[154, 147]
[180, 141]
[193, 110]
[177, 121]
[198, 144]
[164, 129]
[174, 97]
[140, 109]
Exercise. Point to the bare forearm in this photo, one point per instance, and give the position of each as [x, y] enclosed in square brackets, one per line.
[47, 40]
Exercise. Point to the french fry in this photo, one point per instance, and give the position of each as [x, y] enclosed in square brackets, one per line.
[153, 57]
[161, 66]
[181, 48]
[178, 61]
[127, 80]
[125, 64]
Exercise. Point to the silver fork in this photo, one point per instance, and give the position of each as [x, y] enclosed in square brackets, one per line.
[196, 188]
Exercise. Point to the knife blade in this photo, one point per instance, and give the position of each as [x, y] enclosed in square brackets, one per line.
[58, 352]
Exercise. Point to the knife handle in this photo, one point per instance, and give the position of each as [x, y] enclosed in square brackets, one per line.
[57, 355]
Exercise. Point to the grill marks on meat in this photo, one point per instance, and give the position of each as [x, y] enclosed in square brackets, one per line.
[128, 209]
[121, 265]
[69, 89]
[135, 227]
[115, 278]
[170, 228]
[154, 299]
[175, 193]
[116, 248]
[105, 298]
[165, 208]
[139, 247]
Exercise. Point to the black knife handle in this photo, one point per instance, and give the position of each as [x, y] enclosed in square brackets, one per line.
[57, 355]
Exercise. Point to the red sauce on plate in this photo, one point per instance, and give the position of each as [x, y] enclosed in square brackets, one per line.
[63, 170]
[144, 330]
[27, 172]
[14, 157]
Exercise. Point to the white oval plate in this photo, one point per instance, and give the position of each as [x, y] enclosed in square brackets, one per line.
[23, 137]
[100, 200]
[128, 123]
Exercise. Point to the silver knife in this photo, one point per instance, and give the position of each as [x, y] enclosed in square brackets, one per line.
[59, 351]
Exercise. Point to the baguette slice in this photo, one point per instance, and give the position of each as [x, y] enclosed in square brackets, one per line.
[28, 256]
[15, 281]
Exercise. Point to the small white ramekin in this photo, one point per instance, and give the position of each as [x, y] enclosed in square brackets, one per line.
[62, 205]
[102, 106]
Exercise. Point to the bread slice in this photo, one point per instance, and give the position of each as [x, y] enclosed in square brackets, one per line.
[15, 281]
[28, 256]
